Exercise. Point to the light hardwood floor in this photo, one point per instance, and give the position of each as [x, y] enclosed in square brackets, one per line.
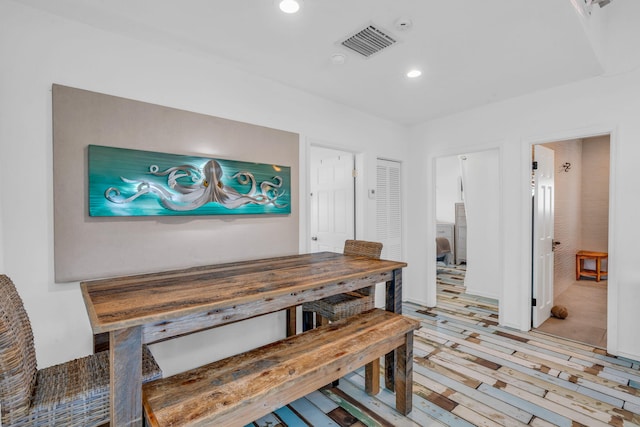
[468, 371]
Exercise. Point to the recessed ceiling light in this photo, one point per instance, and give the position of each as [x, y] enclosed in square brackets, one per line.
[412, 74]
[289, 6]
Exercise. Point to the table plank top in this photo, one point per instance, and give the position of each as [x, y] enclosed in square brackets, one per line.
[136, 300]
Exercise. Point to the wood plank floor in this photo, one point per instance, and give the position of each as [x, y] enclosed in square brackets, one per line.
[468, 371]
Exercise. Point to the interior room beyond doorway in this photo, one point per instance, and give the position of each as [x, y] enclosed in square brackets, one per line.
[468, 215]
[581, 222]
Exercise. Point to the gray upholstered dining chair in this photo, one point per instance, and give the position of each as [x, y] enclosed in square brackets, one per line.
[340, 306]
[75, 393]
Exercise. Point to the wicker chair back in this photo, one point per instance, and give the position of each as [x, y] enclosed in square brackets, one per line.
[18, 367]
[363, 248]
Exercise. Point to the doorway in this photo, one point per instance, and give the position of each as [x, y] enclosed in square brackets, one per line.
[468, 200]
[581, 222]
[451, 259]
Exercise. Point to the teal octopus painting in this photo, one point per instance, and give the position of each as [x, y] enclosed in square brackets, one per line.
[124, 182]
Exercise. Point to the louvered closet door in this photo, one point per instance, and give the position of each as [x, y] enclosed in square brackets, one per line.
[389, 209]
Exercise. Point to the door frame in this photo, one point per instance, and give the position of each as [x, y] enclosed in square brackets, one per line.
[527, 222]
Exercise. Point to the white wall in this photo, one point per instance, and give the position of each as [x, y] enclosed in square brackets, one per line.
[568, 212]
[1, 239]
[481, 180]
[447, 180]
[595, 194]
[38, 49]
[596, 106]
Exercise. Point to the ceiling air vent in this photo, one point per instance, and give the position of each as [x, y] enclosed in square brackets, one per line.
[368, 41]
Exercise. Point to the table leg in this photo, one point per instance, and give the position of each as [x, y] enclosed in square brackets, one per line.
[125, 368]
[307, 321]
[291, 321]
[394, 304]
[101, 342]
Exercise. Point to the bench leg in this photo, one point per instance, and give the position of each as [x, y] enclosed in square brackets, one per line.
[389, 363]
[372, 377]
[404, 375]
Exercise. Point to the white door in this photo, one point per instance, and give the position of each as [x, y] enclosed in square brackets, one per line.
[389, 209]
[543, 234]
[332, 199]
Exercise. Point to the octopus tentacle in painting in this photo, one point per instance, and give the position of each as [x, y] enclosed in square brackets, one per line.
[207, 187]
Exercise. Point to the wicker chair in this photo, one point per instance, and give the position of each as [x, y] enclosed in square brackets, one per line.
[75, 393]
[340, 306]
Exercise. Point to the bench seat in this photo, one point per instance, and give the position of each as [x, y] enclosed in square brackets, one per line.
[240, 389]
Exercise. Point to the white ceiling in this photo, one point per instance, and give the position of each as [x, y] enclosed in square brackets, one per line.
[472, 52]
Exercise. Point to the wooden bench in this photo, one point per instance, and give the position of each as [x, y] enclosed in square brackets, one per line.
[597, 257]
[240, 389]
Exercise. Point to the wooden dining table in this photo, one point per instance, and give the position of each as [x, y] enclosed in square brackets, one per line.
[147, 308]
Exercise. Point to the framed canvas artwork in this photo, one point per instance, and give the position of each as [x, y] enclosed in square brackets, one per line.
[125, 182]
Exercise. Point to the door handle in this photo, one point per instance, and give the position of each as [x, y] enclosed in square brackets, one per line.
[314, 238]
[554, 243]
